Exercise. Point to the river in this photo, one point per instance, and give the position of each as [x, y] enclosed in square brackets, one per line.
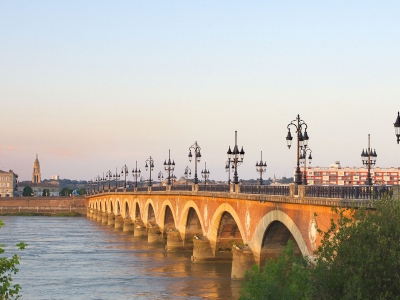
[77, 258]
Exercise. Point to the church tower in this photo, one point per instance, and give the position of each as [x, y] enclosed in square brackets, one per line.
[36, 178]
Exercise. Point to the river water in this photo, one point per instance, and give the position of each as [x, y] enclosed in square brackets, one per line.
[77, 258]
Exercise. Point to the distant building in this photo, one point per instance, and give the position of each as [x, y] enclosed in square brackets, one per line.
[55, 177]
[337, 175]
[37, 185]
[8, 184]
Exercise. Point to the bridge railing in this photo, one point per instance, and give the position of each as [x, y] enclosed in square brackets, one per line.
[181, 188]
[281, 190]
[159, 188]
[222, 188]
[348, 192]
[142, 189]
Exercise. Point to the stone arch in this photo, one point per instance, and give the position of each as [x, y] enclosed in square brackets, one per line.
[111, 207]
[137, 211]
[275, 220]
[127, 213]
[117, 207]
[105, 206]
[226, 213]
[184, 218]
[167, 218]
[149, 213]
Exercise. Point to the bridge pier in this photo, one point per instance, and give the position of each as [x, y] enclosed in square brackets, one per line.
[155, 235]
[174, 241]
[88, 209]
[119, 222]
[140, 230]
[242, 260]
[202, 251]
[104, 218]
[98, 216]
[111, 219]
[129, 225]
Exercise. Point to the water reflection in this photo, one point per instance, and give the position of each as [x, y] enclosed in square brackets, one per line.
[75, 258]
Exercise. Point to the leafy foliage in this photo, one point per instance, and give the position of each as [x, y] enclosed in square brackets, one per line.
[46, 192]
[27, 191]
[82, 191]
[66, 192]
[286, 277]
[8, 267]
[358, 258]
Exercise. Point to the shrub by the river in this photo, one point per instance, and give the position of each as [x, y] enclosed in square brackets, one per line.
[359, 258]
[8, 268]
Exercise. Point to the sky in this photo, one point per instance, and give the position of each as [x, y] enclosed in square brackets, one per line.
[90, 86]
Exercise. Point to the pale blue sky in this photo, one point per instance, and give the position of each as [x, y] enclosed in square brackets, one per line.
[91, 85]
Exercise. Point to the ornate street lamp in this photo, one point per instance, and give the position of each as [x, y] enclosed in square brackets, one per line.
[160, 177]
[116, 177]
[235, 158]
[205, 173]
[169, 167]
[109, 175]
[187, 174]
[150, 167]
[197, 157]
[90, 183]
[261, 167]
[302, 142]
[173, 179]
[136, 174]
[228, 167]
[303, 161]
[368, 158]
[98, 182]
[397, 127]
[125, 172]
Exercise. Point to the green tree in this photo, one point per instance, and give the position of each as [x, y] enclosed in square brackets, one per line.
[66, 192]
[82, 191]
[27, 191]
[46, 192]
[359, 256]
[286, 277]
[8, 267]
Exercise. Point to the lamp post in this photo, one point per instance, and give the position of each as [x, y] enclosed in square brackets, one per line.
[302, 142]
[98, 181]
[149, 166]
[228, 167]
[205, 173]
[187, 174]
[197, 157]
[125, 172]
[109, 176]
[90, 184]
[136, 174]
[368, 158]
[236, 158]
[160, 177]
[397, 127]
[261, 167]
[173, 179]
[116, 177]
[169, 167]
[303, 161]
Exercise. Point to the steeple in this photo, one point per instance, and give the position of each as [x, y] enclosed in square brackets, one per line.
[36, 177]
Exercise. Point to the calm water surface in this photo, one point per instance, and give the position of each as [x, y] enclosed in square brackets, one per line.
[77, 258]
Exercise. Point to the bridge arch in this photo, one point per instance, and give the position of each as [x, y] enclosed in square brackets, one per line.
[183, 220]
[214, 230]
[117, 207]
[126, 209]
[149, 213]
[137, 210]
[276, 218]
[167, 218]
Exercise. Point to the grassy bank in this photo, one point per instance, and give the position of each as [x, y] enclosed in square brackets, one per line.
[46, 214]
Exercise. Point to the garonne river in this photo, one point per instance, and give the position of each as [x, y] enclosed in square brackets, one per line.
[76, 258]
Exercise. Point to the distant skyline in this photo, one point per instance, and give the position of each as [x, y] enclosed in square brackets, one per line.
[93, 85]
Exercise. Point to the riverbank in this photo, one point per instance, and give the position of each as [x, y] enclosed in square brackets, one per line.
[43, 214]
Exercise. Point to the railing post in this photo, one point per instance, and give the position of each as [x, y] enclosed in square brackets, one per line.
[195, 188]
[302, 191]
[237, 188]
[168, 188]
[291, 190]
[232, 188]
[149, 188]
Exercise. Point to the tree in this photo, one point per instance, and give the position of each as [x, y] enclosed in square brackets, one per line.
[82, 191]
[8, 267]
[66, 192]
[46, 192]
[359, 256]
[27, 191]
[286, 277]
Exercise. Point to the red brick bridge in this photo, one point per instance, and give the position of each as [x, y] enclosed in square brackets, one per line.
[224, 225]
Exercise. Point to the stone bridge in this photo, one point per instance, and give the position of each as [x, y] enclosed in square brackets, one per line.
[231, 227]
